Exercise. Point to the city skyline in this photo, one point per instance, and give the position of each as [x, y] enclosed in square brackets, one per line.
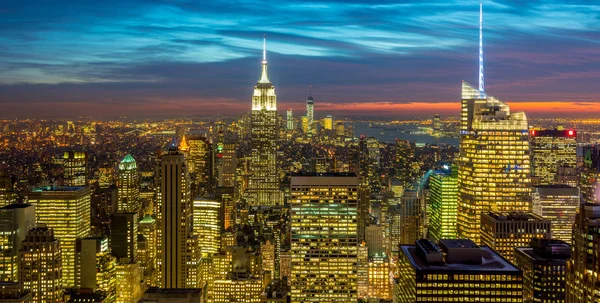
[177, 58]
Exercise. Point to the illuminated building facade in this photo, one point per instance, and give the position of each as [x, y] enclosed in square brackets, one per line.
[404, 155]
[128, 188]
[340, 129]
[267, 254]
[75, 168]
[551, 149]
[176, 222]
[40, 266]
[310, 113]
[304, 125]
[324, 237]
[380, 285]
[263, 186]
[199, 163]
[15, 221]
[583, 269]
[207, 225]
[7, 193]
[147, 251]
[503, 232]
[96, 267]
[443, 198]
[436, 123]
[67, 211]
[237, 288]
[544, 269]
[559, 204]
[456, 271]
[227, 170]
[290, 119]
[129, 282]
[494, 164]
[411, 217]
[328, 123]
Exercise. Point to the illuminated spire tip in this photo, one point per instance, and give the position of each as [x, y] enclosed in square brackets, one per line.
[265, 49]
[481, 78]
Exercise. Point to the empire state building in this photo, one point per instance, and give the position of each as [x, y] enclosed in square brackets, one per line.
[263, 187]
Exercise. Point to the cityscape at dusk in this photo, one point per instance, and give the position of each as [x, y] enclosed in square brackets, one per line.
[342, 151]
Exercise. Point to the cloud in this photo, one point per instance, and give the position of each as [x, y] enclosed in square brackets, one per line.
[350, 51]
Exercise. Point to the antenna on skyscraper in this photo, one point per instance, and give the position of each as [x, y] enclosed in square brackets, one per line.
[310, 90]
[264, 48]
[481, 79]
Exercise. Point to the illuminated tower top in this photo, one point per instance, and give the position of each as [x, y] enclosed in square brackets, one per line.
[264, 77]
[264, 91]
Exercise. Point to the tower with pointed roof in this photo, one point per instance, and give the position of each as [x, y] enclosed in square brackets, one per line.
[494, 164]
[263, 186]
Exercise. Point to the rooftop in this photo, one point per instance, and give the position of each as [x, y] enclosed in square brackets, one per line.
[59, 188]
[514, 216]
[16, 206]
[490, 261]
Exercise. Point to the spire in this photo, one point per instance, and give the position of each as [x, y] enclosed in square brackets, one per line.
[481, 79]
[264, 78]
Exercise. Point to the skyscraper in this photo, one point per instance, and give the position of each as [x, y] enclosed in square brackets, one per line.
[67, 211]
[551, 149]
[310, 112]
[559, 204]
[207, 225]
[128, 189]
[263, 187]
[41, 270]
[544, 268]
[96, 267]
[176, 220]
[290, 119]
[494, 163]
[324, 237]
[443, 196]
[583, 269]
[7, 192]
[75, 168]
[503, 232]
[123, 236]
[15, 221]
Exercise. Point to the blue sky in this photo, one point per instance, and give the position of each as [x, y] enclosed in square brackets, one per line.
[202, 57]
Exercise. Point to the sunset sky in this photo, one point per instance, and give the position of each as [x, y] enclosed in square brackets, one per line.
[362, 58]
